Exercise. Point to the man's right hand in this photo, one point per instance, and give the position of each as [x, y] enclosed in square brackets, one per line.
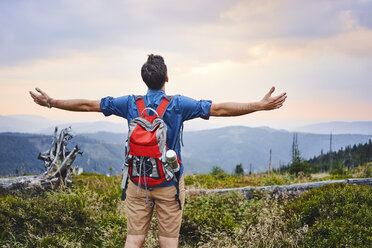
[42, 99]
[72, 105]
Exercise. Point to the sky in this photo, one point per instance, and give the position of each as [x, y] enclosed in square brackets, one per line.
[319, 52]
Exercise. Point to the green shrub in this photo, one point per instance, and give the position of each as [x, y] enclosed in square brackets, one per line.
[91, 215]
[209, 181]
[86, 216]
[218, 172]
[233, 221]
[339, 170]
[275, 179]
[338, 215]
[215, 214]
[367, 172]
[213, 181]
[298, 167]
[239, 171]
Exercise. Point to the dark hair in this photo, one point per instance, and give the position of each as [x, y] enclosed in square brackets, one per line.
[154, 72]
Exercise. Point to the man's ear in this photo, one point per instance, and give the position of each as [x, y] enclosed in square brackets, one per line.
[166, 78]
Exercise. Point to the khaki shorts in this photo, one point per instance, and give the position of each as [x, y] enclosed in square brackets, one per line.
[139, 213]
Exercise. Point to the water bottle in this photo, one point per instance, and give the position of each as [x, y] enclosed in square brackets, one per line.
[172, 160]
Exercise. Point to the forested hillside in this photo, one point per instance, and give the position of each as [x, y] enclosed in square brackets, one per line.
[339, 162]
[348, 157]
[19, 152]
[224, 147]
[229, 146]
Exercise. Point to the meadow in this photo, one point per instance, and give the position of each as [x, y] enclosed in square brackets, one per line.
[91, 214]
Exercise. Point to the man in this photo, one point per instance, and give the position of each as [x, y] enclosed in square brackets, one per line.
[179, 109]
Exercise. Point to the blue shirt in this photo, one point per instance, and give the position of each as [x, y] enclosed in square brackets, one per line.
[180, 109]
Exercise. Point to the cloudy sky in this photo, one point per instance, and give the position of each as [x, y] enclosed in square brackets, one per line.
[319, 52]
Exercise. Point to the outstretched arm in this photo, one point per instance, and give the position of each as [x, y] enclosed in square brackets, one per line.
[235, 109]
[72, 105]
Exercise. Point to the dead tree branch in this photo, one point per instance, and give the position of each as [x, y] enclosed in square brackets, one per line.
[58, 161]
[277, 190]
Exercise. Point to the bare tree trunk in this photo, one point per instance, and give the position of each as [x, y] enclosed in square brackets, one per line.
[58, 161]
[277, 190]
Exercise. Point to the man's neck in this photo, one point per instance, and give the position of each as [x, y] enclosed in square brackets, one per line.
[162, 88]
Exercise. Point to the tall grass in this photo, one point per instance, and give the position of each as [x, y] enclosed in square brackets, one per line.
[91, 214]
[209, 181]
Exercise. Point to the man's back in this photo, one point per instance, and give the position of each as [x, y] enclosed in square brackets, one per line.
[180, 109]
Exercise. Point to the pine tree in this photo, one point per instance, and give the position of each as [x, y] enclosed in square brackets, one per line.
[239, 169]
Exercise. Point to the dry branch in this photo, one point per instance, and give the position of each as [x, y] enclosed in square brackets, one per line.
[58, 161]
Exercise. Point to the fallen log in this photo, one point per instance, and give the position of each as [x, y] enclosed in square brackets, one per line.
[58, 161]
[278, 190]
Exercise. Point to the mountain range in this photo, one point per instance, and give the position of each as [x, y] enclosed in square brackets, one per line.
[41, 125]
[230, 146]
[338, 127]
[225, 147]
[22, 137]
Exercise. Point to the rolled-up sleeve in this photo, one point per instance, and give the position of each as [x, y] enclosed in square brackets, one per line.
[192, 109]
[115, 106]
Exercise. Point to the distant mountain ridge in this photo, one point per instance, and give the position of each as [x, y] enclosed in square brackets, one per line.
[338, 127]
[225, 147]
[23, 123]
[92, 127]
[41, 125]
[230, 146]
[20, 152]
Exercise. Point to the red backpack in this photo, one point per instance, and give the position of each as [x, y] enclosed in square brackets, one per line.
[145, 161]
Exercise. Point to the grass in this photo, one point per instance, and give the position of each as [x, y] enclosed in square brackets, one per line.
[231, 181]
[86, 215]
[338, 215]
[91, 214]
[224, 180]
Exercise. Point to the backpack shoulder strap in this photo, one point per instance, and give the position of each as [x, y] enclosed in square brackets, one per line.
[141, 106]
[163, 105]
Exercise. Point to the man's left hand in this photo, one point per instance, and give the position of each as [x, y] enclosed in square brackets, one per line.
[272, 102]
